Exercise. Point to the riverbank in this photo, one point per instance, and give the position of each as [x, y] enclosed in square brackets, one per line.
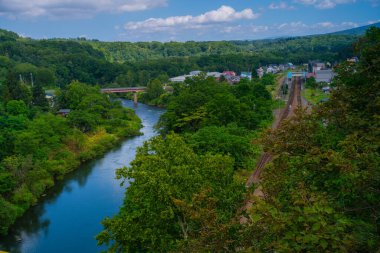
[68, 217]
[73, 151]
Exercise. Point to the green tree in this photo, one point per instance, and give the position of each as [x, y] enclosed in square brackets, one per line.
[16, 107]
[7, 181]
[39, 97]
[154, 89]
[84, 121]
[254, 74]
[45, 77]
[8, 214]
[167, 175]
[231, 140]
[268, 79]
[311, 83]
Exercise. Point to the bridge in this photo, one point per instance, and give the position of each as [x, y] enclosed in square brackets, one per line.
[297, 74]
[133, 90]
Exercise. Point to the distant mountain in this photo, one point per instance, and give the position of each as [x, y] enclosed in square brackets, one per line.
[356, 31]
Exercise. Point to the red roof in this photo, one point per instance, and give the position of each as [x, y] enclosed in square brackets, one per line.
[229, 73]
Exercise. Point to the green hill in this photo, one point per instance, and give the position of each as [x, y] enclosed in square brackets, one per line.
[356, 31]
[131, 64]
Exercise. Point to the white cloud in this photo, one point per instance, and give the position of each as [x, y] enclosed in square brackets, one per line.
[373, 22]
[236, 31]
[280, 6]
[73, 8]
[222, 15]
[350, 24]
[292, 25]
[324, 4]
[325, 24]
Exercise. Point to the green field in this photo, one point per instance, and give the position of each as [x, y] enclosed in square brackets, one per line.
[314, 96]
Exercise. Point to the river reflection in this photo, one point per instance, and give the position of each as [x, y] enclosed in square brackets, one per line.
[68, 218]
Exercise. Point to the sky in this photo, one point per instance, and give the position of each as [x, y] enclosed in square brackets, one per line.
[180, 20]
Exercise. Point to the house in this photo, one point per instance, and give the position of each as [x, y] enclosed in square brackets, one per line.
[326, 90]
[229, 73]
[195, 72]
[64, 112]
[325, 75]
[246, 75]
[270, 70]
[290, 65]
[318, 66]
[233, 79]
[260, 72]
[168, 88]
[179, 79]
[216, 75]
[353, 59]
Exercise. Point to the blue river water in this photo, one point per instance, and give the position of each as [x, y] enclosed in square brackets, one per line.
[68, 218]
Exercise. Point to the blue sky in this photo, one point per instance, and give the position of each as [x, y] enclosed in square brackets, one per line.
[180, 20]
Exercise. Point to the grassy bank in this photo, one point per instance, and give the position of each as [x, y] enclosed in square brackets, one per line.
[314, 96]
[42, 175]
[39, 147]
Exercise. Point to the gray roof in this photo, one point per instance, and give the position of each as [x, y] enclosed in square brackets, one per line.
[324, 75]
[64, 110]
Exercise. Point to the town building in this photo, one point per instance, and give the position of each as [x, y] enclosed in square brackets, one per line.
[229, 73]
[195, 72]
[260, 72]
[64, 112]
[246, 75]
[318, 66]
[179, 79]
[326, 89]
[353, 59]
[324, 75]
[217, 75]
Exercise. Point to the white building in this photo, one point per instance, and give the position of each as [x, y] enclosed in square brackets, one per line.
[324, 75]
[195, 72]
[318, 66]
[179, 79]
[260, 72]
[214, 74]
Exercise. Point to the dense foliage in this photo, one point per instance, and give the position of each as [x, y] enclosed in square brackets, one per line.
[38, 146]
[321, 189]
[183, 191]
[60, 61]
[296, 49]
[204, 101]
[169, 199]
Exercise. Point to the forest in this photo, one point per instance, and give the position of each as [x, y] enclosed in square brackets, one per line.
[60, 61]
[321, 190]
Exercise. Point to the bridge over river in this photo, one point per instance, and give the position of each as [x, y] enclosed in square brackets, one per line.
[133, 90]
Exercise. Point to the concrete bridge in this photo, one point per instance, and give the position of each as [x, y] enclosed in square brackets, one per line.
[133, 90]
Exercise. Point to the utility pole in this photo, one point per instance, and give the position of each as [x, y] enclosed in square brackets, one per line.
[31, 78]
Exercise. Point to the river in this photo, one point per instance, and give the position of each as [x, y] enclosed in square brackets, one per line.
[68, 218]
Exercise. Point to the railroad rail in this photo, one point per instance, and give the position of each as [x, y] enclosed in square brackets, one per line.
[294, 100]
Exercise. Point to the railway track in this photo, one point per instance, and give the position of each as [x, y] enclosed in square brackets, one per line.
[294, 101]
